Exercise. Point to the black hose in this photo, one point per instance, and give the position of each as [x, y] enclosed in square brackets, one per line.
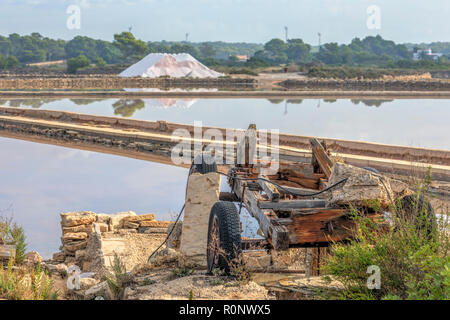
[245, 179]
[283, 188]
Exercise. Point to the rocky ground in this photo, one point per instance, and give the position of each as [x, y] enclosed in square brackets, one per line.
[91, 244]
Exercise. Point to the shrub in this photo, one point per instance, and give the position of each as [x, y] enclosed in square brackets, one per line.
[118, 279]
[13, 234]
[74, 64]
[412, 255]
[26, 283]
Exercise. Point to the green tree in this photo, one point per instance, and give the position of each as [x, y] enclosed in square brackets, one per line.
[130, 47]
[12, 61]
[207, 50]
[73, 64]
[298, 51]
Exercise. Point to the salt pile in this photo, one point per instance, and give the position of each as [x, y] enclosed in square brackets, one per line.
[181, 65]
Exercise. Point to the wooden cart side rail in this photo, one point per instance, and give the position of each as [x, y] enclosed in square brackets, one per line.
[274, 232]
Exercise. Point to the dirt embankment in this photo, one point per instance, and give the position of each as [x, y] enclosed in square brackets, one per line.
[110, 82]
[367, 85]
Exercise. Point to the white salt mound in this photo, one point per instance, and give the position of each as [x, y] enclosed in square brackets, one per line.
[181, 65]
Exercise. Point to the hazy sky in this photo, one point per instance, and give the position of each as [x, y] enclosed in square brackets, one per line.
[231, 20]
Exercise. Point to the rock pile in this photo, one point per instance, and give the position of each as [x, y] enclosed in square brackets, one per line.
[77, 227]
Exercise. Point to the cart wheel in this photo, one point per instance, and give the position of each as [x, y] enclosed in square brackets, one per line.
[224, 237]
[204, 163]
[413, 208]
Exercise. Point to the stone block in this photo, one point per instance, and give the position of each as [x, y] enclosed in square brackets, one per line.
[202, 193]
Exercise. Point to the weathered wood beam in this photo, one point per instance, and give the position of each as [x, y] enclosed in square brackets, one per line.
[321, 156]
[246, 148]
[271, 191]
[293, 204]
[274, 232]
[322, 226]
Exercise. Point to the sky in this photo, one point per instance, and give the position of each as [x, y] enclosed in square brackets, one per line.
[232, 20]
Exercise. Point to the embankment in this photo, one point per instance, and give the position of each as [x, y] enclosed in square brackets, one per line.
[367, 85]
[153, 140]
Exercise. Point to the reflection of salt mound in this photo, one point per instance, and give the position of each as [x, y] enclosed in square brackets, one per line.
[169, 103]
[180, 65]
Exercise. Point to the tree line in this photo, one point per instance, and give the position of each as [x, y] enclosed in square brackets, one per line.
[83, 51]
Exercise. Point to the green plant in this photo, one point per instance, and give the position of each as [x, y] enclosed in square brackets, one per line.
[13, 234]
[147, 282]
[182, 272]
[412, 254]
[74, 64]
[26, 283]
[118, 278]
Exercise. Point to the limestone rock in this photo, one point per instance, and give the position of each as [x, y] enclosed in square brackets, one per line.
[61, 268]
[202, 193]
[80, 254]
[156, 224]
[130, 225]
[103, 218]
[116, 220]
[75, 245]
[101, 227]
[142, 217]
[82, 228]
[33, 258]
[256, 260]
[74, 236]
[86, 283]
[59, 257]
[360, 187]
[164, 257]
[175, 236]
[399, 188]
[72, 219]
[152, 230]
[99, 290]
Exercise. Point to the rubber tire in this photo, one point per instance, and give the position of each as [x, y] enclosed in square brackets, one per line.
[229, 234]
[372, 169]
[408, 207]
[204, 163]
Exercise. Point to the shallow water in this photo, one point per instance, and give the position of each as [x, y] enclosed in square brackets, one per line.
[408, 122]
[40, 181]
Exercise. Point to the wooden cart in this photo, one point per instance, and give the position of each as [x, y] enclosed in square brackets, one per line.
[286, 219]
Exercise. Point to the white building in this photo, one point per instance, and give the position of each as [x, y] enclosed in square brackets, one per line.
[427, 54]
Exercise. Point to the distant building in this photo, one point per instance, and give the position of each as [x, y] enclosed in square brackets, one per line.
[242, 58]
[420, 54]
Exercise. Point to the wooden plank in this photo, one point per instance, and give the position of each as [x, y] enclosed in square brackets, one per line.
[6, 251]
[227, 196]
[292, 204]
[271, 191]
[321, 226]
[296, 190]
[321, 156]
[246, 148]
[274, 232]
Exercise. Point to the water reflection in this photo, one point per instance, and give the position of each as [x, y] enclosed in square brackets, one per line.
[410, 122]
[126, 108]
[40, 181]
[34, 192]
[370, 103]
